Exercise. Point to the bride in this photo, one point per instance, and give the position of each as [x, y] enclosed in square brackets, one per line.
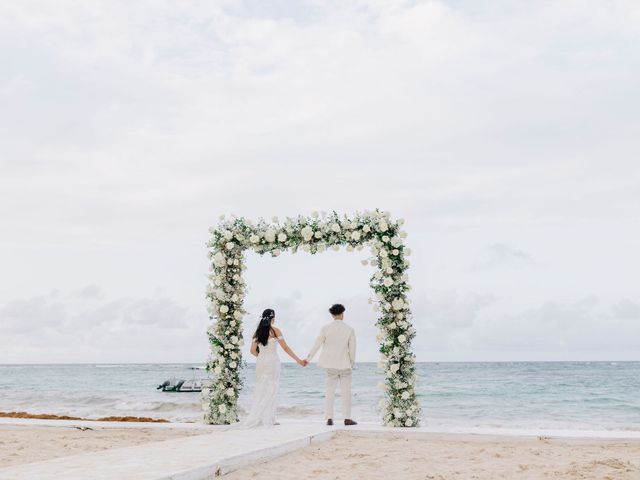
[265, 347]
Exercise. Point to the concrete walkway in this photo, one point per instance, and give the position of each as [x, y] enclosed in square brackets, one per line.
[190, 458]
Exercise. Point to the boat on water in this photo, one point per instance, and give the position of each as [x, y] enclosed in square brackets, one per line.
[175, 384]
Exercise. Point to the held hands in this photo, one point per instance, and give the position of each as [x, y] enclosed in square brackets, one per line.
[303, 363]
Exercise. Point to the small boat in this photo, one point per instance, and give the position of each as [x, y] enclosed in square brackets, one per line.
[180, 385]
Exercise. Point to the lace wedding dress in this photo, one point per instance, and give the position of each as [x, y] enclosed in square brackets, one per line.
[263, 406]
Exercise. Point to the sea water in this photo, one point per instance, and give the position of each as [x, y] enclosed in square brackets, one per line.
[529, 396]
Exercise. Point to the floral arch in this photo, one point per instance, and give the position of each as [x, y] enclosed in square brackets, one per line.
[314, 234]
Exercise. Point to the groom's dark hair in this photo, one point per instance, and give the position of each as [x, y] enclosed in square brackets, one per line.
[336, 309]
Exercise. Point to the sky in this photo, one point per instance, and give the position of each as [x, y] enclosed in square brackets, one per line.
[507, 135]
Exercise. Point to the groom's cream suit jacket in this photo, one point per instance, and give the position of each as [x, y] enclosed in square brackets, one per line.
[338, 343]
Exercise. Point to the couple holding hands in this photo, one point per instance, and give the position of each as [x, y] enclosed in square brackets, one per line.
[337, 342]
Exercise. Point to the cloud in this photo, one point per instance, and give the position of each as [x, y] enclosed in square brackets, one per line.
[451, 310]
[502, 255]
[561, 330]
[66, 324]
[626, 308]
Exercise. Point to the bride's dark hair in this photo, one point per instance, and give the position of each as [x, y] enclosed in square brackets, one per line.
[264, 327]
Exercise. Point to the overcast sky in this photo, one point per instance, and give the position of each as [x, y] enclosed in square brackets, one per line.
[507, 134]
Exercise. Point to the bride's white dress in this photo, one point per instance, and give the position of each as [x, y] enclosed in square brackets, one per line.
[263, 406]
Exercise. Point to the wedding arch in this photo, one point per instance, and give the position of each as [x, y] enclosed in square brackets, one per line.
[314, 234]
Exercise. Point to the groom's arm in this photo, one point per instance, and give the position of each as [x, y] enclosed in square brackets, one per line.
[316, 346]
[352, 348]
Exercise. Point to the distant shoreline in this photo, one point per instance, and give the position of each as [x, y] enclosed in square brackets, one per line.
[118, 364]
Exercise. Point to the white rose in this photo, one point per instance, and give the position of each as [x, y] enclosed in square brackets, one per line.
[254, 239]
[322, 248]
[282, 237]
[318, 234]
[403, 234]
[409, 422]
[401, 221]
[394, 367]
[217, 370]
[222, 408]
[306, 247]
[274, 219]
[230, 392]
[355, 236]
[366, 229]
[276, 252]
[382, 226]
[315, 214]
[384, 253]
[335, 227]
[233, 365]
[398, 304]
[359, 248]
[270, 235]
[224, 308]
[336, 247]
[395, 251]
[385, 239]
[233, 339]
[405, 395]
[387, 282]
[307, 233]
[234, 298]
[221, 218]
[407, 252]
[402, 338]
[237, 315]
[219, 260]
[364, 262]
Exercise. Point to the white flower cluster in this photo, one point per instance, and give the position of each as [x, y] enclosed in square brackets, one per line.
[313, 234]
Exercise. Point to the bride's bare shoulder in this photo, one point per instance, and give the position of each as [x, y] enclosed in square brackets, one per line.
[277, 331]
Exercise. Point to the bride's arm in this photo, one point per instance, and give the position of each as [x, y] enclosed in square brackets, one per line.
[254, 348]
[286, 347]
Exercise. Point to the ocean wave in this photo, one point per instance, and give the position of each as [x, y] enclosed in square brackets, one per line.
[296, 411]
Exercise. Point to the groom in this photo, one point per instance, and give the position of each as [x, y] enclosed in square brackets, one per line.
[338, 343]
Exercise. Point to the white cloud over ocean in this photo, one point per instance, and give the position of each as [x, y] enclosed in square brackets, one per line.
[506, 134]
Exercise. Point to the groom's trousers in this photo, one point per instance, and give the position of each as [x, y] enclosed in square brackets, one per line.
[344, 376]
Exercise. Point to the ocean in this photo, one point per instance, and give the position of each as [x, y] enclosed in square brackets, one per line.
[491, 396]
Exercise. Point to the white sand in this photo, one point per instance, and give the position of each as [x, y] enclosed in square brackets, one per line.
[453, 457]
[21, 444]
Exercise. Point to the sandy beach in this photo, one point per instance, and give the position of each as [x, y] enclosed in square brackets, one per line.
[363, 454]
[454, 457]
[20, 444]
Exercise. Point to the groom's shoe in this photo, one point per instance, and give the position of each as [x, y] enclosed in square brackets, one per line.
[330, 421]
[348, 421]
